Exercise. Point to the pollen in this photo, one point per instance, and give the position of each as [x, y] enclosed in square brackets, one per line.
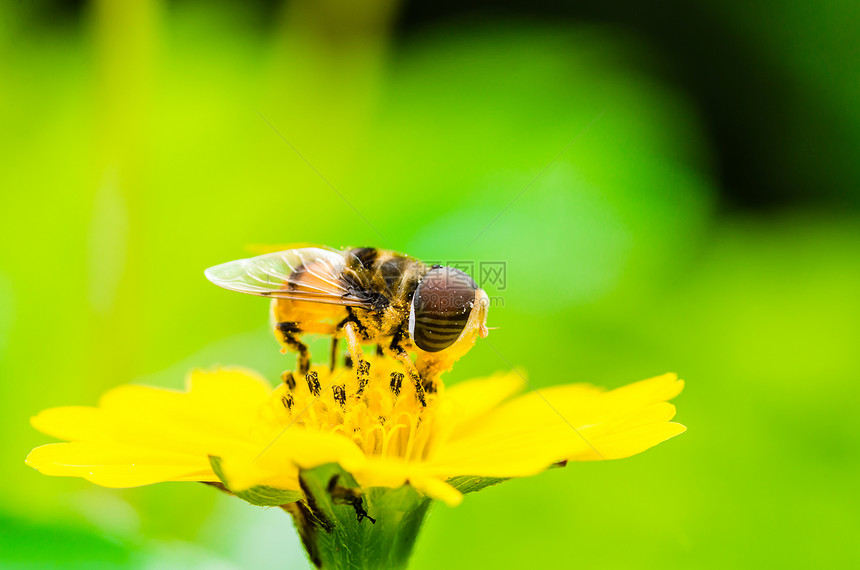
[378, 407]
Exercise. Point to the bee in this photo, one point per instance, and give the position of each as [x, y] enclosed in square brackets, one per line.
[365, 296]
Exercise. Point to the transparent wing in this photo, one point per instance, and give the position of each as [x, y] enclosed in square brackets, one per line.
[306, 274]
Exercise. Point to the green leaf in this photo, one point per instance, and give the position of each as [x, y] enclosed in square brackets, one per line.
[470, 484]
[261, 495]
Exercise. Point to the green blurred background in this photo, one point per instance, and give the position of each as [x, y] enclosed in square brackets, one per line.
[672, 186]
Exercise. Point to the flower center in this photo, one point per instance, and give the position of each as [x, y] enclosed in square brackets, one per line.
[381, 411]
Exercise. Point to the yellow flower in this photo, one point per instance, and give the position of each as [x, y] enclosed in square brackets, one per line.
[470, 435]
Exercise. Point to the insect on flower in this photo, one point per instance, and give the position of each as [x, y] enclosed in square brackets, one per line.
[366, 296]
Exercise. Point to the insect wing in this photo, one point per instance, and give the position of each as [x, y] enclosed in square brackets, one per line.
[306, 274]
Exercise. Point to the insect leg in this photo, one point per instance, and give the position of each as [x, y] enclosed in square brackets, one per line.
[287, 334]
[403, 357]
[361, 365]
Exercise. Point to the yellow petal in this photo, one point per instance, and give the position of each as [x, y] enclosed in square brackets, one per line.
[657, 389]
[72, 423]
[532, 410]
[174, 431]
[538, 429]
[661, 412]
[247, 387]
[140, 435]
[437, 489]
[394, 472]
[224, 400]
[473, 398]
[288, 451]
[114, 466]
[515, 455]
[629, 442]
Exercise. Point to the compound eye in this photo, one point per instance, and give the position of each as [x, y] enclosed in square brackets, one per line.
[441, 307]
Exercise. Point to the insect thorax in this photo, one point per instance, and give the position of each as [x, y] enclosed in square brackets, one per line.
[390, 279]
